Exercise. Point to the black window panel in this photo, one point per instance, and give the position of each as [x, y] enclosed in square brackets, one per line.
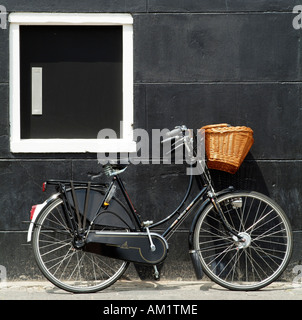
[82, 80]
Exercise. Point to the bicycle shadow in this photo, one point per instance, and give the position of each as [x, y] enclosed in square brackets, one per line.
[119, 286]
[155, 289]
[249, 177]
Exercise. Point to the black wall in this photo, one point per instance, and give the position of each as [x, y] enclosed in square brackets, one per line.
[195, 63]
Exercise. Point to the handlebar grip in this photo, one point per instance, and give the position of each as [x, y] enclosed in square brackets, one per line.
[175, 132]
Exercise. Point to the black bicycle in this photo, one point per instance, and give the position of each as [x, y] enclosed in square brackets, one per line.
[85, 235]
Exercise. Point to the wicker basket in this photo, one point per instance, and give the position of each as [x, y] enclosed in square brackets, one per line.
[227, 146]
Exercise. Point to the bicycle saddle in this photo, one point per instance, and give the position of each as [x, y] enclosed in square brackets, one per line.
[112, 169]
[118, 166]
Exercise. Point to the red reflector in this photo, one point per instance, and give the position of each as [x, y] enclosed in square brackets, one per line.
[44, 186]
[32, 211]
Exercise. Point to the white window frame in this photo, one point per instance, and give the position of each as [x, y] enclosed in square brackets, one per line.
[125, 143]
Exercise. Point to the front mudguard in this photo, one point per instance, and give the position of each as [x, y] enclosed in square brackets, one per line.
[38, 210]
[199, 212]
[194, 255]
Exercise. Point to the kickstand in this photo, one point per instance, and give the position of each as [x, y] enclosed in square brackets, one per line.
[156, 273]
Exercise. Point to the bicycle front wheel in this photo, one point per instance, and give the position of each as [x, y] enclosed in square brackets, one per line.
[65, 266]
[263, 254]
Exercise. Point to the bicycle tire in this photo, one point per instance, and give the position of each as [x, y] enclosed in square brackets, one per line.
[70, 269]
[249, 265]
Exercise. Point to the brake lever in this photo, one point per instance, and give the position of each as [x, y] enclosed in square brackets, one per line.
[169, 139]
[176, 147]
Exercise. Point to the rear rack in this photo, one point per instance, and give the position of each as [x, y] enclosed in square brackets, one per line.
[70, 185]
[76, 183]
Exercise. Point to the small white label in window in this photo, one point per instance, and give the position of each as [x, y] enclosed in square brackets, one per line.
[36, 91]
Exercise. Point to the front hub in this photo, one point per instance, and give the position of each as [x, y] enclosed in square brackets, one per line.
[244, 242]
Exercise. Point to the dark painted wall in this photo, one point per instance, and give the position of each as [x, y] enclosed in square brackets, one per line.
[195, 62]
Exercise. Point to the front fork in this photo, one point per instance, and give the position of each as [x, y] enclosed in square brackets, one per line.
[221, 216]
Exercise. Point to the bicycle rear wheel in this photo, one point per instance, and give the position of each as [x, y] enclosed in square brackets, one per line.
[267, 246]
[67, 267]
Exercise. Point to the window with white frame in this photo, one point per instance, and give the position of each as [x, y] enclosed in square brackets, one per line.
[71, 75]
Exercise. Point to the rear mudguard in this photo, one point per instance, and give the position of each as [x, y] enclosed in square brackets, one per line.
[38, 209]
[114, 215]
[194, 255]
[128, 246]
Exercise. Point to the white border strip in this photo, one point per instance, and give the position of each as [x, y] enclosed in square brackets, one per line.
[33, 18]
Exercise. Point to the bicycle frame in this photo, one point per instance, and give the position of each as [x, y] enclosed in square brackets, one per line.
[206, 190]
[182, 215]
[176, 223]
[145, 226]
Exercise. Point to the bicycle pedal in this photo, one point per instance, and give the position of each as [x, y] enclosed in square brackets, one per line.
[156, 273]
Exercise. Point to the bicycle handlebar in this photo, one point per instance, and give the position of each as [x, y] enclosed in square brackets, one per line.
[175, 132]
